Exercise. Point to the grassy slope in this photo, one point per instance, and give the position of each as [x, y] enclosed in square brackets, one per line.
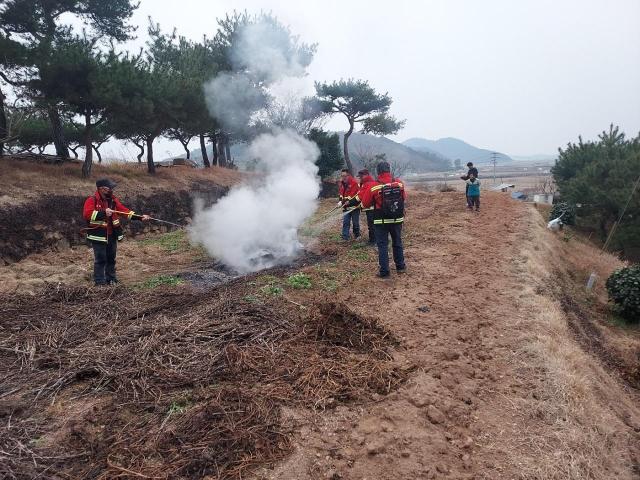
[25, 180]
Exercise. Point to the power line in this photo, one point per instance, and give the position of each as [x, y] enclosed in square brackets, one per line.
[494, 161]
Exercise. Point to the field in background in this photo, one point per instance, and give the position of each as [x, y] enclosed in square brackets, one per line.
[523, 176]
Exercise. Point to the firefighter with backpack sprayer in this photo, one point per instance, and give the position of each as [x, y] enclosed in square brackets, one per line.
[387, 197]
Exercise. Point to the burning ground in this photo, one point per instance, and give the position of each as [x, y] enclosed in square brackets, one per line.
[470, 366]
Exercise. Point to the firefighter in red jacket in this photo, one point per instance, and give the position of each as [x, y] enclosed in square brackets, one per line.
[366, 182]
[387, 197]
[348, 190]
[104, 230]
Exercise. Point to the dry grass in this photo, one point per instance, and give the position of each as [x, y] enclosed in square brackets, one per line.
[579, 420]
[182, 384]
[24, 180]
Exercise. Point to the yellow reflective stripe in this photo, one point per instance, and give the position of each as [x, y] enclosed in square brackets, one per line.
[97, 239]
[130, 214]
[94, 215]
[98, 224]
[378, 187]
[116, 222]
[381, 221]
[120, 237]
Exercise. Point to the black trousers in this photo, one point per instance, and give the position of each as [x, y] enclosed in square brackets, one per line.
[382, 239]
[104, 265]
[473, 201]
[370, 227]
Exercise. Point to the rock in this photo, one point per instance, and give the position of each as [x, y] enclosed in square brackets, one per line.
[405, 454]
[466, 461]
[435, 415]
[419, 402]
[442, 468]
[468, 442]
[376, 448]
[450, 355]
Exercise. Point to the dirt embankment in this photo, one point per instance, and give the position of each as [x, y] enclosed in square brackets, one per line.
[42, 204]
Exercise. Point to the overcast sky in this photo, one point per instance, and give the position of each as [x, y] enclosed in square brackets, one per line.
[521, 77]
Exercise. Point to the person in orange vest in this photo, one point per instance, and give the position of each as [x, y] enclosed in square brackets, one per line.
[387, 197]
[348, 190]
[366, 181]
[105, 230]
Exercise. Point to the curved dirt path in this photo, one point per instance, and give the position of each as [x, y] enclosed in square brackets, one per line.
[491, 397]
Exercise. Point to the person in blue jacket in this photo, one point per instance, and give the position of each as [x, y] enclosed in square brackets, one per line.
[473, 192]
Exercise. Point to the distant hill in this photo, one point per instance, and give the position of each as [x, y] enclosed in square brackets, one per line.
[454, 148]
[416, 161]
[541, 158]
[360, 145]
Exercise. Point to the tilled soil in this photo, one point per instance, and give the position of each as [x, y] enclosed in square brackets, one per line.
[465, 325]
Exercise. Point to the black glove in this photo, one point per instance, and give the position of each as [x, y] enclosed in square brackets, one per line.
[351, 203]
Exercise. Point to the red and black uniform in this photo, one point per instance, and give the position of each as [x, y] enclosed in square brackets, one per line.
[372, 197]
[104, 233]
[385, 226]
[101, 227]
[348, 189]
[366, 182]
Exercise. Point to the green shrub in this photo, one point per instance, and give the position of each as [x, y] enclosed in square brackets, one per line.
[272, 290]
[299, 280]
[569, 211]
[624, 291]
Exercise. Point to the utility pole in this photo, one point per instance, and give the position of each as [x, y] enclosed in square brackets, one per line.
[494, 161]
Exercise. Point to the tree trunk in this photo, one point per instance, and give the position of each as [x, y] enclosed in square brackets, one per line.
[98, 153]
[74, 150]
[186, 148]
[3, 124]
[57, 132]
[203, 150]
[220, 151]
[214, 150]
[227, 151]
[141, 147]
[151, 167]
[347, 134]
[88, 147]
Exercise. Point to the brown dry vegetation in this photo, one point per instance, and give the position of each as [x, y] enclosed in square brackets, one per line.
[27, 180]
[172, 384]
[512, 370]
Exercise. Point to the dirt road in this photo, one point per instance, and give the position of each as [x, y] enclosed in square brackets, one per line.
[488, 398]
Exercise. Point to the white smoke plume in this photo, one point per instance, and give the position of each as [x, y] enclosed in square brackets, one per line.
[256, 226]
[233, 99]
[266, 53]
